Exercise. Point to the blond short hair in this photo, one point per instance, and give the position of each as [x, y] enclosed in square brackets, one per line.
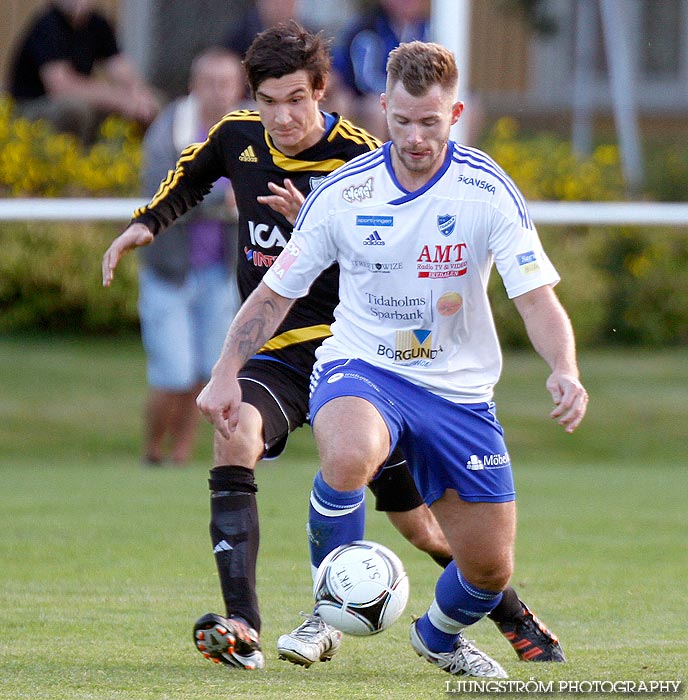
[419, 65]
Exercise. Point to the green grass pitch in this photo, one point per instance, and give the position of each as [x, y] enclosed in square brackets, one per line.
[105, 565]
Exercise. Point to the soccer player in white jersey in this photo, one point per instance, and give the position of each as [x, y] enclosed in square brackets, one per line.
[416, 227]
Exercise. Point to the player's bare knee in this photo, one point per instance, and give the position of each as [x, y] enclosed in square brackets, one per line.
[348, 471]
[345, 476]
[489, 575]
[348, 466]
[244, 446]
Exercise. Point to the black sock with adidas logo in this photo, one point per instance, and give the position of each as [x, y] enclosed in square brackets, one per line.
[234, 533]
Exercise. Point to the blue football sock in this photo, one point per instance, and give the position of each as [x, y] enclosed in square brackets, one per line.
[457, 604]
[335, 518]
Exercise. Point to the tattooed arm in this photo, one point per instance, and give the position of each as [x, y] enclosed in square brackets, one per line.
[253, 326]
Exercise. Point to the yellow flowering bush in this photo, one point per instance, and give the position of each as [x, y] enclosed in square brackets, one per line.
[50, 271]
[545, 166]
[35, 161]
[619, 284]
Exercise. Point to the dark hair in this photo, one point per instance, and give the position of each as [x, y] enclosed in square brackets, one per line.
[419, 65]
[284, 49]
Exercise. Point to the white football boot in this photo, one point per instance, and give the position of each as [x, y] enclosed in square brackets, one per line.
[464, 660]
[313, 640]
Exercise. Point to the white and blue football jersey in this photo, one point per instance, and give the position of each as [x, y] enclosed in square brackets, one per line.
[414, 267]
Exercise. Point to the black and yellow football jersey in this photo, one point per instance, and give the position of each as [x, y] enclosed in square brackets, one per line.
[239, 148]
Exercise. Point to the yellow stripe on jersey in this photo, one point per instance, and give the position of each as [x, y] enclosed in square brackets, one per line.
[292, 165]
[243, 115]
[171, 178]
[354, 133]
[297, 335]
[344, 128]
[189, 153]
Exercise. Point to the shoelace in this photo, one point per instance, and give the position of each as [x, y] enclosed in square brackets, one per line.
[468, 655]
[306, 630]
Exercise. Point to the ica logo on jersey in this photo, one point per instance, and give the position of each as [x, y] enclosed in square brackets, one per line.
[264, 237]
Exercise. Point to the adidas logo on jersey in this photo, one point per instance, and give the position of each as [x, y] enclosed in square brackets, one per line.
[248, 155]
[374, 239]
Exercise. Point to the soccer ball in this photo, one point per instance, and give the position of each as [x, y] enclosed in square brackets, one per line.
[361, 588]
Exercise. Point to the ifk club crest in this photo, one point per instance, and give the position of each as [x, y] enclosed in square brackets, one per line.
[446, 223]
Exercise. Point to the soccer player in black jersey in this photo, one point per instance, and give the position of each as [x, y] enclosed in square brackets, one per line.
[273, 157]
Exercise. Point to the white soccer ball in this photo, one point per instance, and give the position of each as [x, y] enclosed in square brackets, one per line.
[361, 588]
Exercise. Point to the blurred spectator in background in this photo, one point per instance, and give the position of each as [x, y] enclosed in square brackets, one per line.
[187, 285]
[68, 70]
[261, 15]
[359, 59]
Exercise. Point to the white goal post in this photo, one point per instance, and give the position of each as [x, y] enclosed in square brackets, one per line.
[542, 213]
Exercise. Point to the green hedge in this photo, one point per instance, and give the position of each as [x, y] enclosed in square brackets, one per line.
[620, 285]
[50, 278]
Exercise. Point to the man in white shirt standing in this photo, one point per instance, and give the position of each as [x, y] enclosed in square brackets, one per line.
[415, 227]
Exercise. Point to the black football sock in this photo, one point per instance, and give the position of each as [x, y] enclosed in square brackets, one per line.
[234, 534]
[509, 609]
[441, 559]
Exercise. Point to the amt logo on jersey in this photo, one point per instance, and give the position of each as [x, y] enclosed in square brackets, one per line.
[444, 261]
